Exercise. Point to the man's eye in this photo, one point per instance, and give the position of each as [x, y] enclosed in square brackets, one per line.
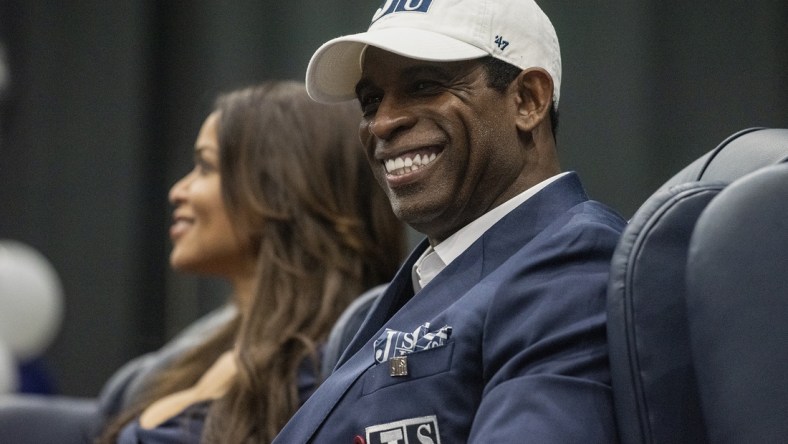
[425, 86]
[369, 103]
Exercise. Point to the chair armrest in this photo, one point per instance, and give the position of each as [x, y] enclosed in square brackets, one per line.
[39, 419]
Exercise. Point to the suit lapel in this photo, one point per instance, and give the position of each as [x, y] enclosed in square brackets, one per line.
[351, 364]
[395, 296]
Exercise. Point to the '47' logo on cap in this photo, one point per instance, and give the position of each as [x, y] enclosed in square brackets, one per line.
[422, 430]
[401, 5]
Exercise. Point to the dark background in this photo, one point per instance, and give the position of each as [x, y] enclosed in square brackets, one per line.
[107, 98]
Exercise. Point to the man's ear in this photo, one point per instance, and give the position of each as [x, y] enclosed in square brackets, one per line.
[534, 98]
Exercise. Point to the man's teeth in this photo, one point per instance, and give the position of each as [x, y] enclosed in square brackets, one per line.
[402, 165]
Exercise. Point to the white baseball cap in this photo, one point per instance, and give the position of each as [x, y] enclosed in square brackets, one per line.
[515, 31]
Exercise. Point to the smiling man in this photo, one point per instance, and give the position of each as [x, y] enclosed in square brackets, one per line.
[494, 329]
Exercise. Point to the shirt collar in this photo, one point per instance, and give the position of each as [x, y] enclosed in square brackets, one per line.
[457, 243]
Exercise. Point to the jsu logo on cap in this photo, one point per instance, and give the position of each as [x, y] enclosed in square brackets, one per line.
[401, 5]
[423, 430]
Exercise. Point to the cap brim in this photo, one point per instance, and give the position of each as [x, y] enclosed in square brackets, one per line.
[335, 68]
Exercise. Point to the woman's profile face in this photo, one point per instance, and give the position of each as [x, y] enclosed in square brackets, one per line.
[202, 234]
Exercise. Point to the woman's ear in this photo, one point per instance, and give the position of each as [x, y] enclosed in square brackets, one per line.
[534, 98]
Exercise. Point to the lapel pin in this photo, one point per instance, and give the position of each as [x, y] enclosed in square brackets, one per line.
[398, 366]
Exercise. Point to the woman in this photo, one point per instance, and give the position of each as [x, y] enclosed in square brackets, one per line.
[282, 204]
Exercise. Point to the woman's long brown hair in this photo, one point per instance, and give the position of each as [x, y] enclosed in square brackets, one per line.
[298, 187]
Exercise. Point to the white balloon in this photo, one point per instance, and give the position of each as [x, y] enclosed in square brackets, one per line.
[31, 300]
[9, 375]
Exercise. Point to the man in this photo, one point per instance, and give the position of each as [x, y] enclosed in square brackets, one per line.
[494, 329]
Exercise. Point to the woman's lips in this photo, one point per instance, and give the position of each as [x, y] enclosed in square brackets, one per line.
[179, 227]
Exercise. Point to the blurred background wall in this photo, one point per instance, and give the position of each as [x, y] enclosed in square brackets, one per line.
[107, 97]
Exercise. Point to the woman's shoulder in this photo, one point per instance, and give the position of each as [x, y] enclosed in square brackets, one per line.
[186, 426]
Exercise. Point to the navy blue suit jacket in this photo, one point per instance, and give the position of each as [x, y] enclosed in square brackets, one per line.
[527, 357]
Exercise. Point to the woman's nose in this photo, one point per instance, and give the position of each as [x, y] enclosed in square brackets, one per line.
[179, 190]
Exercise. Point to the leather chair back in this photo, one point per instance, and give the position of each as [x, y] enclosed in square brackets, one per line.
[653, 374]
[737, 307]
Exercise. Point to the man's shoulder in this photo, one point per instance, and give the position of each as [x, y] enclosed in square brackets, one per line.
[563, 206]
[581, 236]
[594, 213]
[588, 224]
